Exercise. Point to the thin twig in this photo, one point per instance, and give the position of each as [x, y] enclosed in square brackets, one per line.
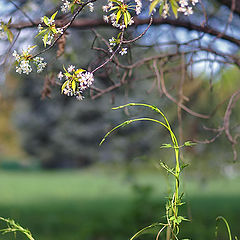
[30, 20]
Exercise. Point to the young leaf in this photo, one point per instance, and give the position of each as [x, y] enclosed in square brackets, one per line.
[128, 16]
[9, 35]
[119, 14]
[114, 8]
[166, 145]
[45, 38]
[40, 33]
[153, 5]
[74, 86]
[118, 36]
[80, 70]
[72, 9]
[161, 8]
[64, 85]
[174, 7]
[68, 74]
[54, 30]
[32, 47]
[54, 15]
[166, 167]
[45, 20]
[9, 21]
[116, 1]
[65, 69]
[125, 19]
[189, 143]
[184, 165]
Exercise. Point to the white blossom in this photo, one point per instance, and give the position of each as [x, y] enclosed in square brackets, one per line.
[123, 51]
[65, 7]
[75, 84]
[24, 61]
[91, 7]
[183, 3]
[189, 11]
[112, 41]
[60, 75]
[71, 68]
[194, 2]
[105, 8]
[105, 18]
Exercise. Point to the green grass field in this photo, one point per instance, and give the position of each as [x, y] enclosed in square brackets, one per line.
[102, 204]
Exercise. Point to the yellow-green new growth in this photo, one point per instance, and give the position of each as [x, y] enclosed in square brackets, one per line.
[172, 217]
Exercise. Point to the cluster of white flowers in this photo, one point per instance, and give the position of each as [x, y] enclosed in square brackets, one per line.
[185, 8]
[40, 64]
[121, 7]
[138, 6]
[113, 42]
[67, 5]
[51, 32]
[76, 81]
[24, 60]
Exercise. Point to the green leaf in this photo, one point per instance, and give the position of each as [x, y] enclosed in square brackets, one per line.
[125, 19]
[68, 74]
[45, 20]
[118, 36]
[161, 8]
[54, 15]
[54, 30]
[64, 85]
[166, 167]
[5, 28]
[32, 47]
[116, 1]
[128, 16]
[9, 21]
[166, 145]
[114, 8]
[153, 5]
[74, 86]
[119, 14]
[65, 69]
[72, 9]
[184, 165]
[178, 220]
[174, 7]
[41, 33]
[80, 70]
[152, 229]
[45, 38]
[9, 35]
[189, 143]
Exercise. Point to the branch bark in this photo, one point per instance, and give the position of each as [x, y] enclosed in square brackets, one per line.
[86, 23]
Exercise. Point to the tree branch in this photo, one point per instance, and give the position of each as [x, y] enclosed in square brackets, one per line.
[86, 23]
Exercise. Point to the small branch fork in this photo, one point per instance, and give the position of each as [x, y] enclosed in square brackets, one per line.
[65, 27]
[225, 128]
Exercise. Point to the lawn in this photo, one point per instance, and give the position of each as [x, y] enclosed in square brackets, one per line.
[104, 204]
